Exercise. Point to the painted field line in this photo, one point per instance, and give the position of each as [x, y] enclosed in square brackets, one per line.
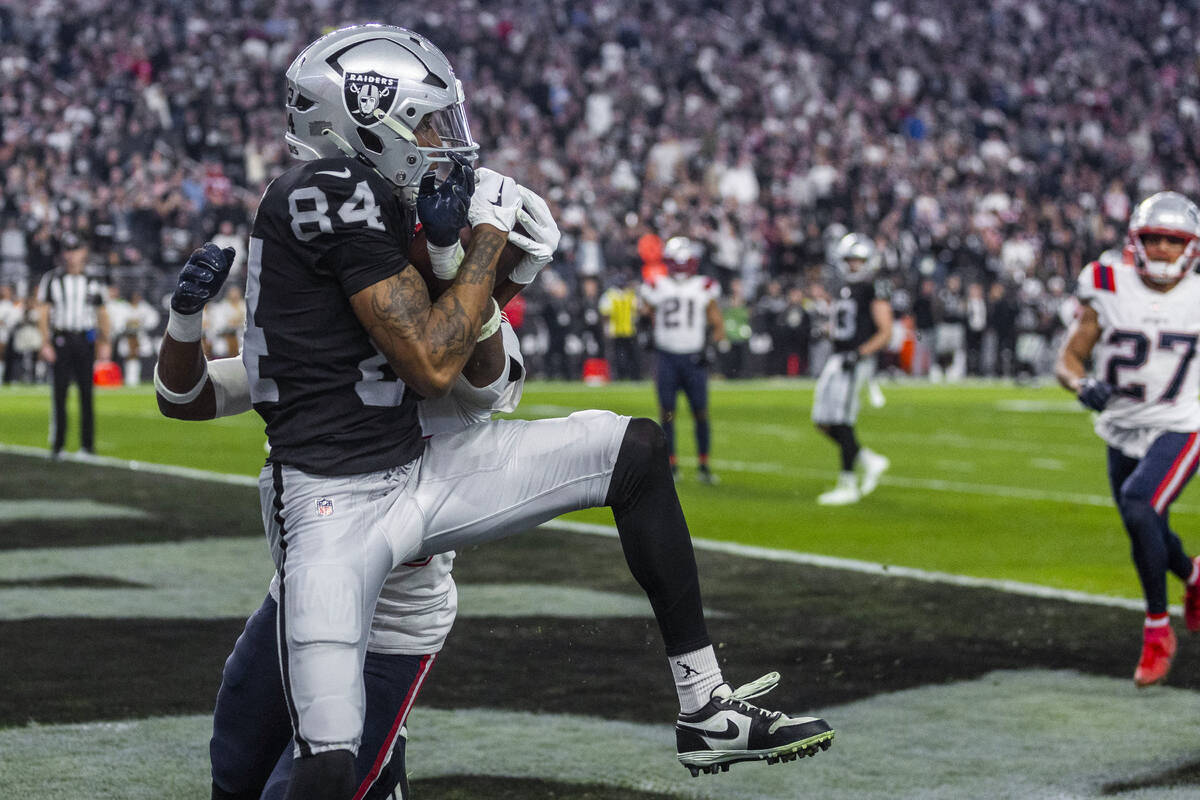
[929, 484]
[136, 466]
[795, 434]
[731, 548]
[938, 485]
[870, 568]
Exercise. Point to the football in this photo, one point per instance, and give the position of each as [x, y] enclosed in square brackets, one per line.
[419, 256]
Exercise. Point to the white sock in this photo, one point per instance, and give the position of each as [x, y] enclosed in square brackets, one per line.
[696, 675]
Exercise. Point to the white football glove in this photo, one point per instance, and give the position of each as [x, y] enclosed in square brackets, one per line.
[542, 241]
[495, 202]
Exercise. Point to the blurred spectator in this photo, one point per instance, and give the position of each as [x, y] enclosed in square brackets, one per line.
[1003, 310]
[132, 331]
[768, 314]
[619, 308]
[976, 326]
[951, 331]
[734, 354]
[10, 315]
[1002, 141]
[224, 321]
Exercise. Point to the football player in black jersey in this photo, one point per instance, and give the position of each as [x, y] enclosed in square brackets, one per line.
[342, 338]
[861, 326]
[249, 749]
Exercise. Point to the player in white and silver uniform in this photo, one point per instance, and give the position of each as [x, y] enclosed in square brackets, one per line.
[1139, 324]
[413, 616]
[684, 308]
[415, 612]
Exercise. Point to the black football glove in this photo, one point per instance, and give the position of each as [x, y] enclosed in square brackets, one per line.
[1095, 394]
[443, 209]
[849, 360]
[201, 278]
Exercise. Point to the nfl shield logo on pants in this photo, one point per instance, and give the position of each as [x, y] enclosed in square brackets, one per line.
[324, 507]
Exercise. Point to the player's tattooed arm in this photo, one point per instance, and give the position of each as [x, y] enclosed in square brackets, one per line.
[428, 343]
[1071, 366]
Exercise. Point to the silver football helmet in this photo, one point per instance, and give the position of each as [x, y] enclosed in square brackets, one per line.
[1168, 214]
[381, 94]
[856, 247]
[681, 255]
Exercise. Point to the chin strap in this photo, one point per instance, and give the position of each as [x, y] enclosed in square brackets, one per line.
[394, 125]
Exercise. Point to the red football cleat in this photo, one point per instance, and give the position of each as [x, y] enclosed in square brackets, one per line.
[1191, 604]
[1158, 648]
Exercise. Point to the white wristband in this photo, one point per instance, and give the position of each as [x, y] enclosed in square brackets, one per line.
[185, 327]
[231, 386]
[526, 270]
[493, 323]
[180, 398]
[445, 260]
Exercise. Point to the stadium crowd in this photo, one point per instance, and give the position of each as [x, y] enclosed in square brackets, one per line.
[991, 149]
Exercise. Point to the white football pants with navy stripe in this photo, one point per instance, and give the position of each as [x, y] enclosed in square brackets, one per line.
[835, 401]
[334, 539]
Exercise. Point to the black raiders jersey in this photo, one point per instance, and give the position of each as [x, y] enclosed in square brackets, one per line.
[851, 320]
[324, 231]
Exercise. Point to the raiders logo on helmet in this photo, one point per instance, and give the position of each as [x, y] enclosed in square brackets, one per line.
[366, 91]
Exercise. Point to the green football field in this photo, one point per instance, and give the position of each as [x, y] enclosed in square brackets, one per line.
[987, 480]
[123, 587]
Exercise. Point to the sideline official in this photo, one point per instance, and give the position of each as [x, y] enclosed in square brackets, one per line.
[74, 329]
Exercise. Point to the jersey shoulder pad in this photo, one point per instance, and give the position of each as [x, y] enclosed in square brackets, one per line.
[1096, 278]
[332, 196]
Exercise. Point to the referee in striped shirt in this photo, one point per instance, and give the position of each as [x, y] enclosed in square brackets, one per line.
[74, 329]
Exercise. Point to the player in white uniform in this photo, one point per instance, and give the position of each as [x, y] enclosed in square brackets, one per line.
[342, 337]
[684, 308]
[1138, 323]
[413, 617]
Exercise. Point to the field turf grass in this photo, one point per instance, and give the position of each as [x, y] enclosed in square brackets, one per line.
[114, 623]
[993, 481]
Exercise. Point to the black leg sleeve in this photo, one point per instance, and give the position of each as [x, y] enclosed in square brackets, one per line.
[844, 436]
[655, 538]
[324, 776]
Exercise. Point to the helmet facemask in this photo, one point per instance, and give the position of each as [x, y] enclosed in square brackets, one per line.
[1165, 214]
[856, 257]
[682, 256]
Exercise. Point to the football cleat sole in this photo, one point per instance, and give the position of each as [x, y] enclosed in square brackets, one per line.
[711, 762]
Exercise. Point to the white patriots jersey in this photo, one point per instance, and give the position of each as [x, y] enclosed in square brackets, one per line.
[419, 601]
[680, 311]
[1146, 351]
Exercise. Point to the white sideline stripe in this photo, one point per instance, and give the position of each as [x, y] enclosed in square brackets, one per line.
[744, 550]
[871, 568]
[60, 509]
[136, 466]
[937, 485]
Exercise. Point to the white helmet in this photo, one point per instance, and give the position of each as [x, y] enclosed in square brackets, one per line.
[364, 91]
[856, 247]
[1168, 214]
[682, 255]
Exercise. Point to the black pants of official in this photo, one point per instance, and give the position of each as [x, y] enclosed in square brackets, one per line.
[74, 359]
